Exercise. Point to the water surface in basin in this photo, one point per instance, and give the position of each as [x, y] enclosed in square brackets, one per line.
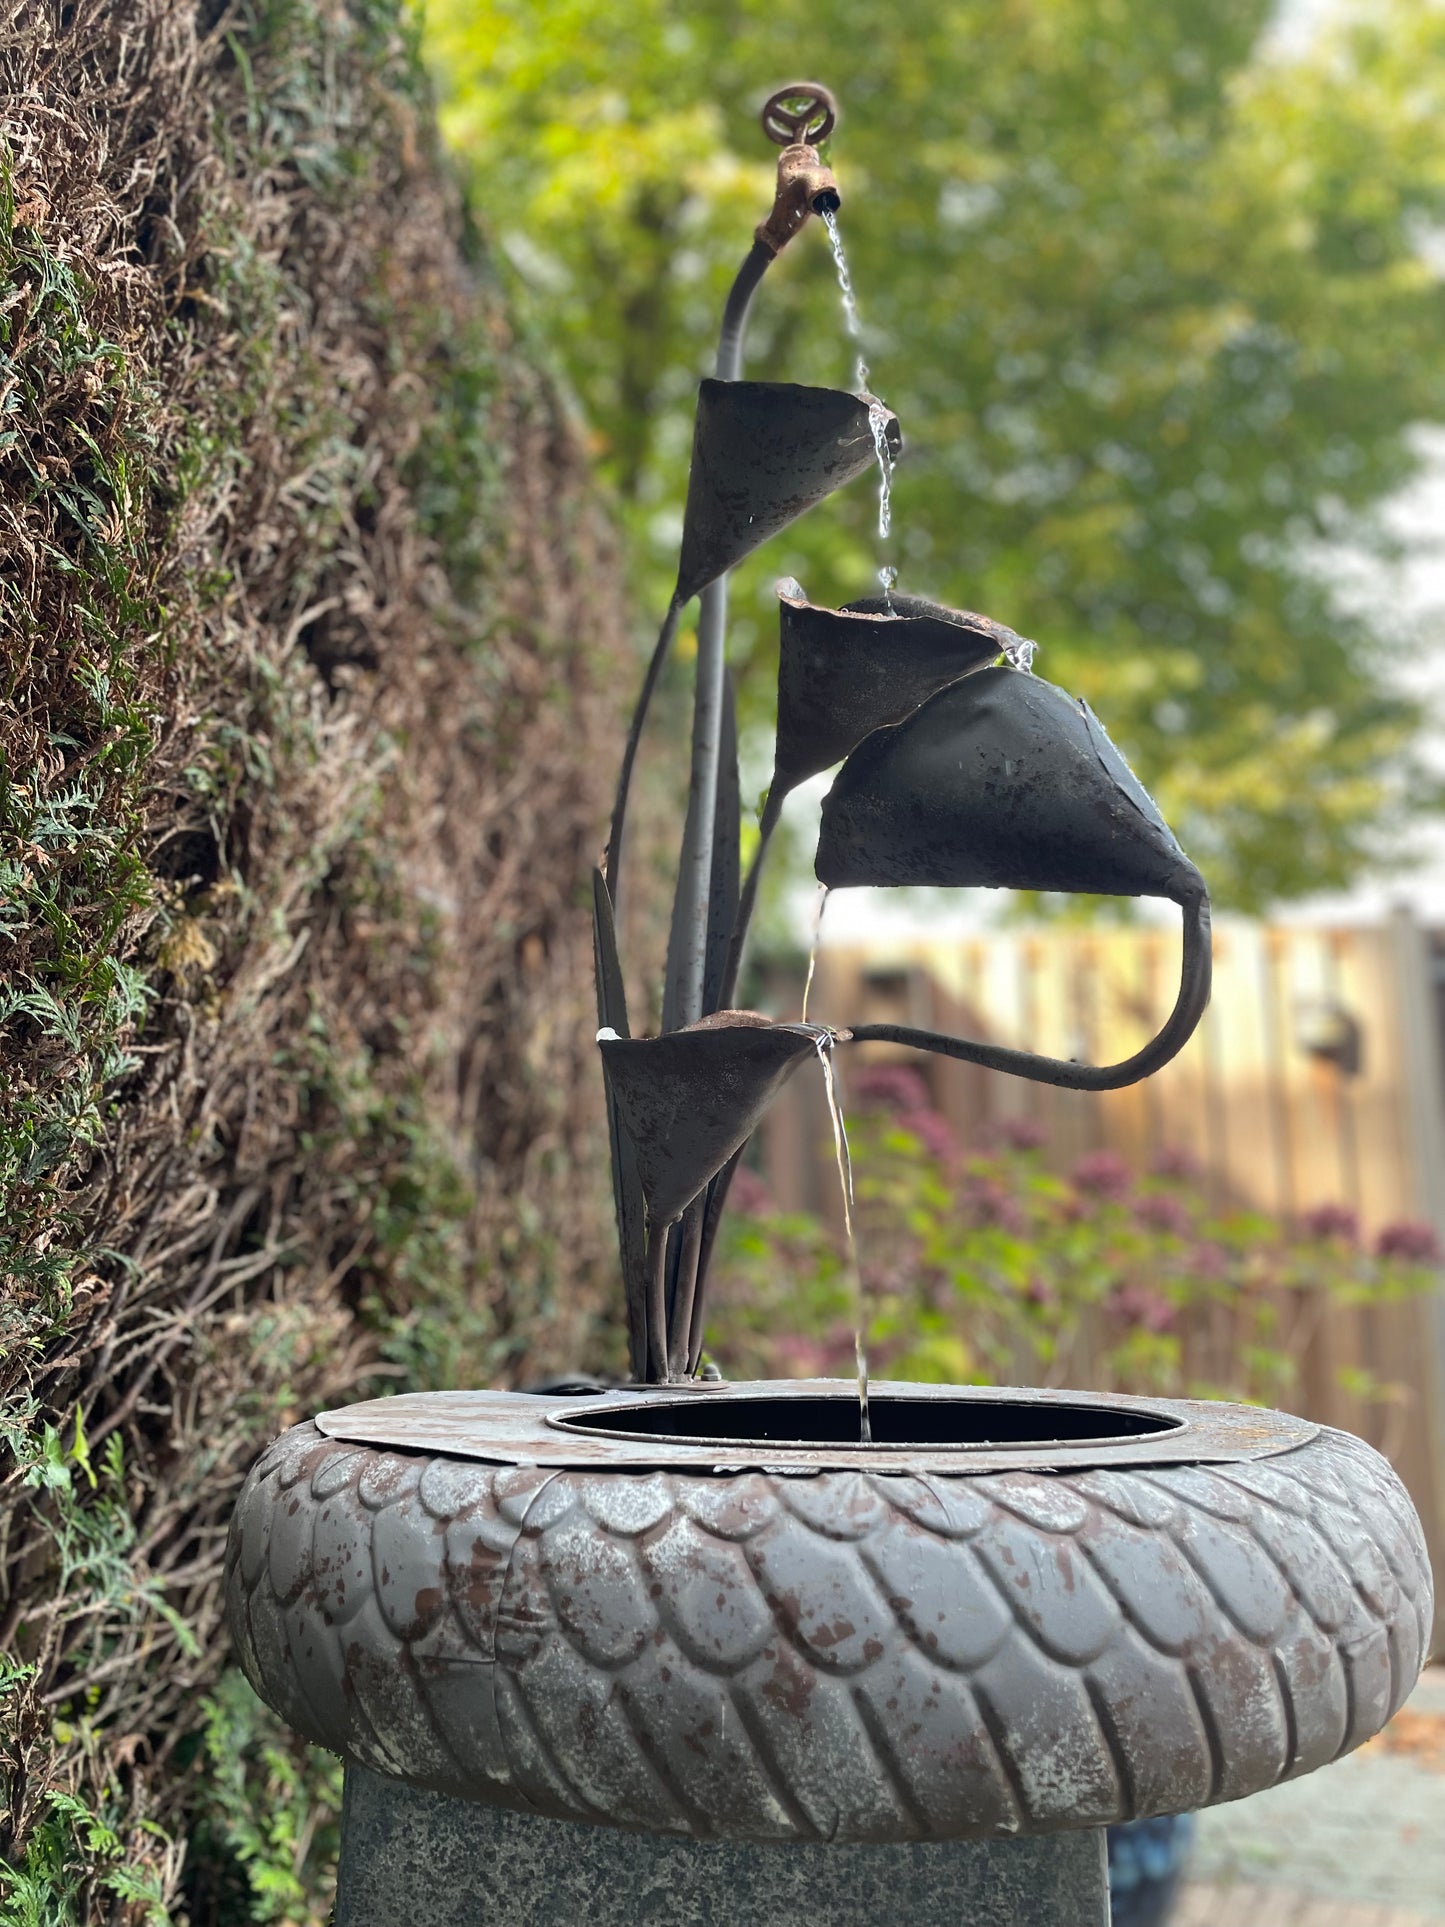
[812, 1421]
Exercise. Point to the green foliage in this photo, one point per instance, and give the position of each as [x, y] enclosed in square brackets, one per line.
[268, 1838]
[984, 1267]
[75, 1862]
[1150, 299]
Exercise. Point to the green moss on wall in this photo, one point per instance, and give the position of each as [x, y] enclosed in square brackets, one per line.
[298, 791]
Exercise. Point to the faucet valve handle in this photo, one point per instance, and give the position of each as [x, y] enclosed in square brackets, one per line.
[796, 118]
[802, 114]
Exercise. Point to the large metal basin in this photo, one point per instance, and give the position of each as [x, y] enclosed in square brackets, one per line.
[711, 1613]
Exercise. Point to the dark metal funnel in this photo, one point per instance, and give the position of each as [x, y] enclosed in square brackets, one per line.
[1003, 781]
[842, 673]
[764, 452]
[691, 1098]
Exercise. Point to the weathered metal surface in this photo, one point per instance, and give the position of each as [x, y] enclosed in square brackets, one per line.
[803, 112]
[842, 673]
[1002, 781]
[841, 1657]
[701, 1426]
[690, 1098]
[482, 1867]
[765, 452]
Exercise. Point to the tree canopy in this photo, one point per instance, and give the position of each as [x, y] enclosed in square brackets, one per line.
[1153, 299]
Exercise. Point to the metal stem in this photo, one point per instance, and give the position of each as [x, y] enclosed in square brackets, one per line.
[1065, 1072]
[657, 1303]
[679, 1333]
[612, 857]
[767, 823]
[694, 876]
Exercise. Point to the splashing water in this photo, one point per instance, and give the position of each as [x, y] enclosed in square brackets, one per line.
[878, 422]
[877, 413]
[825, 1046]
[850, 299]
[822, 905]
[1020, 654]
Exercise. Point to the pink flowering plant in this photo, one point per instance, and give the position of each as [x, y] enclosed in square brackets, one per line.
[982, 1264]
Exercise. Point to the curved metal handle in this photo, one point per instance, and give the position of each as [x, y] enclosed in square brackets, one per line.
[1065, 1072]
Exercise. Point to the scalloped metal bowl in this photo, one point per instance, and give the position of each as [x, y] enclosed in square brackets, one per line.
[712, 1613]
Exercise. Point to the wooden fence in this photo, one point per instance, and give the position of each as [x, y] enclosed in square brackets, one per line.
[1317, 1077]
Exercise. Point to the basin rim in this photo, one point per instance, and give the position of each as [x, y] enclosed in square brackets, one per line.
[568, 1432]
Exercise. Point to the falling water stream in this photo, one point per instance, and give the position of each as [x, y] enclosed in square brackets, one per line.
[877, 413]
[845, 1180]
[813, 947]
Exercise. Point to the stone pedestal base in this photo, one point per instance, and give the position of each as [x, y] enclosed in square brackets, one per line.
[412, 1859]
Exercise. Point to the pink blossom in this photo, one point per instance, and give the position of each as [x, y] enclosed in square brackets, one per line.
[1160, 1212]
[749, 1194]
[1019, 1134]
[1209, 1262]
[1175, 1162]
[1409, 1240]
[889, 1087]
[1142, 1307]
[1102, 1173]
[934, 1133]
[987, 1202]
[1329, 1221]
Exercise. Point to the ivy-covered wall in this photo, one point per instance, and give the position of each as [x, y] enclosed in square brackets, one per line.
[308, 647]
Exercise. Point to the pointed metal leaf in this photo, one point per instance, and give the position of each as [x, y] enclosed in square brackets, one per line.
[627, 1194]
[842, 673]
[722, 903]
[1003, 781]
[691, 1098]
[763, 453]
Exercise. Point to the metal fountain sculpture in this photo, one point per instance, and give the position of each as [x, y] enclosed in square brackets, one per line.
[773, 1664]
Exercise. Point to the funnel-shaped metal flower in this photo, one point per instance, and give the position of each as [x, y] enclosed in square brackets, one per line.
[764, 452]
[1003, 781]
[690, 1098]
[842, 673]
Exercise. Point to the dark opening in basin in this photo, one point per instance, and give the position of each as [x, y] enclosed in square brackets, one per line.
[819, 1420]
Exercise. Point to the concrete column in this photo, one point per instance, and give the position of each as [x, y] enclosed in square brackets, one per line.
[412, 1857]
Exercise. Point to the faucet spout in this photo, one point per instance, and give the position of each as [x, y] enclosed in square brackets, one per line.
[805, 187]
[799, 118]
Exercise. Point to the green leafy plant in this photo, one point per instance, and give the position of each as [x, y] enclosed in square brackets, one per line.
[982, 1265]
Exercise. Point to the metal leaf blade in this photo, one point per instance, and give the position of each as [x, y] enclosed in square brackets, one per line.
[627, 1194]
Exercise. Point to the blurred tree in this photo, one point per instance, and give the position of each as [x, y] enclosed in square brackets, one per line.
[1152, 297]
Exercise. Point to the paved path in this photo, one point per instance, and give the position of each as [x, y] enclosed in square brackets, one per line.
[1233, 1906]
[1361, 1844]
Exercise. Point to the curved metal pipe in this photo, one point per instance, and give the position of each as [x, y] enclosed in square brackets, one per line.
[694, 872]
[1065, 1072]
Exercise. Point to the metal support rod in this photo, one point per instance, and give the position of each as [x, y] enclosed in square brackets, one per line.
[690, 910]
[679, 1331]
[1065, 1072]
[767, 823]
[612, 856]
[657, 1303]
